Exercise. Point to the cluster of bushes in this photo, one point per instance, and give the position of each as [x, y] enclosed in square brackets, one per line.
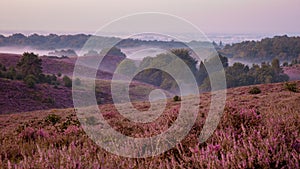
[241, 75]
[9, 73]
[53, 119]
[236, 75]
[166, 61]
[29, 69]
[293, 62]
[255, 90]
[60, 123]
[291, 87]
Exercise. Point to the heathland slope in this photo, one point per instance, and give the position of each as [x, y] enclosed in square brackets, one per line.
[17, 97]
[256, 131]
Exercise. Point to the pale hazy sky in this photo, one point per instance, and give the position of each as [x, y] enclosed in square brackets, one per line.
[211, 16]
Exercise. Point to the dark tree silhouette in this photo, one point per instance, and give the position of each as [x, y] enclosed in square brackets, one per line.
[30, 64]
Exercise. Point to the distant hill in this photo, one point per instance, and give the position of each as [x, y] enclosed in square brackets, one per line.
[51, 41]
[282, 47]
[56, 42]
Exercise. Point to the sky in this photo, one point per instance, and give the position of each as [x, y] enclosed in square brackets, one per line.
[211, 16]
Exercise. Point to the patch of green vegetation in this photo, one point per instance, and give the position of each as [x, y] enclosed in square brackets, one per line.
[67, 81]
[28, 69]
[30, 81]
[70, 121]
[176, 98]
[53, 118]
[291, 87]
[255, 90]
[283, 47]
[242, 75]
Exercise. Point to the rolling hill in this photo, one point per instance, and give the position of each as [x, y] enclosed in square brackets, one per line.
[18, 97]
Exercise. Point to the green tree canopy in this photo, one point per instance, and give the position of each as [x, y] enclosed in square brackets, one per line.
[170, 61]
[30, 64]
[276, 66]
[67, 81]
[127, 67]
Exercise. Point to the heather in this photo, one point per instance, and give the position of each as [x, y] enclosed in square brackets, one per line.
[256, 131]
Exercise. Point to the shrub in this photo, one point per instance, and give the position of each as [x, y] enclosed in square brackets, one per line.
[176, 98]
[2, 67]
[53, 78]
[11, 73]
[67, 81]
[255, 90]
[52, 118]
[291, 87]
[30, 81]
[30, 63]
[19, 76]
[285, 64]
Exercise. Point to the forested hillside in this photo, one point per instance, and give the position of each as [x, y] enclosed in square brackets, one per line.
[282, 47]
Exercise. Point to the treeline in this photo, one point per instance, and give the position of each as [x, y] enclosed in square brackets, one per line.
[29, 69]
[241, 75]
[282, 47]
[63, 53]
[236, 75]
[53, 42]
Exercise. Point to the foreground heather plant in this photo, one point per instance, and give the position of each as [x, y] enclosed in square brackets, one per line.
[238, 117]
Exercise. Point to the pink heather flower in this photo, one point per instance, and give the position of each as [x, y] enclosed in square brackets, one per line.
[72, 130]
[217, 147]
[27, 133]
[214, 147]
[110, 114]
[42, 133]
[9, 164]
[194, 150]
